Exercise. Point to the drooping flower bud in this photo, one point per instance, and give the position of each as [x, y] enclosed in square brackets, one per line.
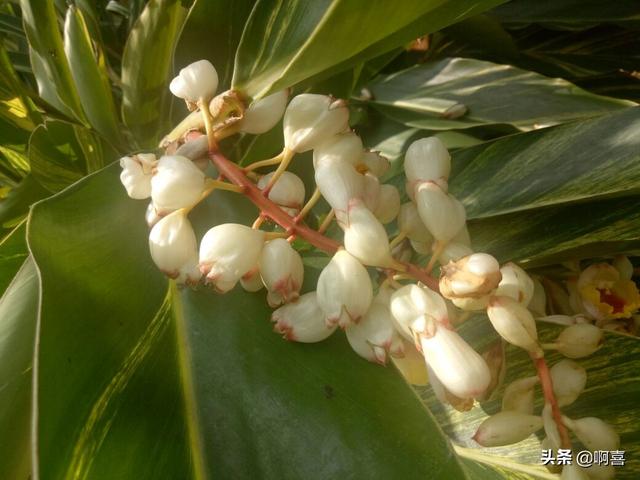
[302, 320]
[310, 119]
[410, 223]
[136, 174]
[262, 115]
[228, 252]
[518, 395]
[374, 163]
[288, 191]
[624, 267]
[151, 216]
[550, 427]
[579, 340]
[458, 366]
[412, 365]
[374, 338]
[344, 290]
[177, 183]
[515, 283]
[365, 238]
[412, 302]
[605, 294]
[282, 271]
[339, 182]
[426, 160]
[514, 323]
[568, 379]
[388, 204]
[343, 147]
[453, 252]
[470, 277]
[174, 248]
[442, 213]
[593, 433]
[538, 303]
[505, 428]
[252, 281]
[195, 81]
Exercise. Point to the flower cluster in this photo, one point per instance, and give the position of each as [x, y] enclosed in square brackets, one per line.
[410, 315]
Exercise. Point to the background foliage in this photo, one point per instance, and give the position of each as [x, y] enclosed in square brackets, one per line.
[108, 371]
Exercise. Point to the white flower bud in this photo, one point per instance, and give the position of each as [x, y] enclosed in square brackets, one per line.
[593, 433]
[282, 271]
[470, 277]
[516, 284]
[288, 191]
[375, 163]
[624, 266]
[388, 204]
[514, 323]
[518, 395]
[426, 160]
[550, 427]
[471, 304]
[344, 290]
[178, 183]
[410, 223]
[453, 252]
[339, 182]
[310, 119]
[174, 248]
[136, 175]
[568, 379]
[151, 216]
[374, 338]
[579, 340]
[302, 320]
[365, 238]
[538, 303]
[458, 366]
[195, 149]
[228, 252]
[505, 428]
[412, 302]
[252, 281]
[371, 191]
[195, 81]
[442, 214]
[412, 365]
[343, 147]
[565, 320]
[262, 115]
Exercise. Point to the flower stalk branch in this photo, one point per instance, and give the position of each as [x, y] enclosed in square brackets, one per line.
[549, 397]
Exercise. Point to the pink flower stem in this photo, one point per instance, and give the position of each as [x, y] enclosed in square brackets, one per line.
[549, 397]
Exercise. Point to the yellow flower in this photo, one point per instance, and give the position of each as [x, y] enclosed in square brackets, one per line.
[605, 295]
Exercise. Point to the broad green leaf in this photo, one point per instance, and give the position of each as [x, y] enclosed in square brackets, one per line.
[423, 96]
[552, 235]
[61, 153]
[247, 405]
[13, 253]
[89, 72]
[579, 161]
[146, 70]
[55, 83]
[18, 315]
[286, 42]
[613, 386]
[212, 31]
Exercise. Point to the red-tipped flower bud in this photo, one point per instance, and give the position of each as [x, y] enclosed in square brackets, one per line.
[282, 271]
[302, 320]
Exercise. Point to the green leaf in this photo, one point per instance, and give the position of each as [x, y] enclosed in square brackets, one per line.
[89, 72]
[18, 315]
[613, 385]
[55, 83]
[146, 70]
[13, 253]
[423, 95]
[61, 153]
[286, 42]
[17, 202]
[580, 161]
[212, 32]
[130, 370]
